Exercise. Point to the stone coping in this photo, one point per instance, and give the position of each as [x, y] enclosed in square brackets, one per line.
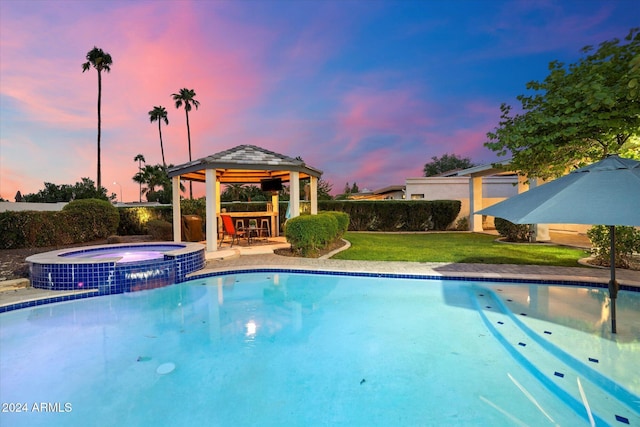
[57, 257]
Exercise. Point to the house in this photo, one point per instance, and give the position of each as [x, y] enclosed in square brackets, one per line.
[391, 192]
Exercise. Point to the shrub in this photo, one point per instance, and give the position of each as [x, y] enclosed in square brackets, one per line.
[133, 221]
[80, 221]
[91, 219]
[310, 233]
[32, 229]
[343, 221]
[160, 229]
[462, 224]
[512, 232]
[627, 242]
[395, 215]
[195, 207]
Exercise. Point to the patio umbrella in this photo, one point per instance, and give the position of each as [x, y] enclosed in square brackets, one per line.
[605, 192]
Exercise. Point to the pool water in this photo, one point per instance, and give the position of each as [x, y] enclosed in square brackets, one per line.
[128, 254]
[279, 349]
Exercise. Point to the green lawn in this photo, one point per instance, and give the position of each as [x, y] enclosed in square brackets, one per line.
[454, 247]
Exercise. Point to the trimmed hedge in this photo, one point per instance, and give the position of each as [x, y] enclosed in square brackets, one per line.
[396, 215]
[343, 221]
[310, 233]
[91, 219]
[80, 221]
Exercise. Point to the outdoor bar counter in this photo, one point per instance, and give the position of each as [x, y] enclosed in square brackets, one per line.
[273, 216]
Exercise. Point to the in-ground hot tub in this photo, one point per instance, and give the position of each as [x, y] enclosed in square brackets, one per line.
[113, 269]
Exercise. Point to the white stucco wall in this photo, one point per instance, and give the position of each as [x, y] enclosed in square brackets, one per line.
[24, 206]
[494, 190]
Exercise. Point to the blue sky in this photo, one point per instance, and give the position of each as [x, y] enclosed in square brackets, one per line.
[367, 91]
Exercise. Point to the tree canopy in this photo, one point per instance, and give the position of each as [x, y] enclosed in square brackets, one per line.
[65, 193]
[244, 193]
[579, 114]
[153, 176]
[446, 163]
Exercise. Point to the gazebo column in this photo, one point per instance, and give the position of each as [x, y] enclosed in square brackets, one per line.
[175, 201]
[211, 204]
[275, 220]
[475, 203]
[294, 194]
[313, 187]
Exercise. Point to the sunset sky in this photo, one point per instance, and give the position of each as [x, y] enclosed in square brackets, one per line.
[364, 90]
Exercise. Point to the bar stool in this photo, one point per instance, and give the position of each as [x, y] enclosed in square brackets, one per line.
[239, 224]
[265, 227]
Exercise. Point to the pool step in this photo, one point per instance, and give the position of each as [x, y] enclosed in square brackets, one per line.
[14, 284]
[569, 379]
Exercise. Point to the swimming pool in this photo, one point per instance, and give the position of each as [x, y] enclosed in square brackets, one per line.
[278, 348]
[116, 268]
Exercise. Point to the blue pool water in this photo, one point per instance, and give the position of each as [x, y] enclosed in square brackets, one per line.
[279, 349]
[129, 253]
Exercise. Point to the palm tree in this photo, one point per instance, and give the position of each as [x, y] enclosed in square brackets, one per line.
[99, 60]
[140, 159]
[154, 176]
[159, 114]
[186, 97]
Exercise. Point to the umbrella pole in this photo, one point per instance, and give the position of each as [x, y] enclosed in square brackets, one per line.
[613, 284]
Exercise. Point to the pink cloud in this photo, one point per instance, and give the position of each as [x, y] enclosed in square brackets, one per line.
[367, 112]
[52, 91]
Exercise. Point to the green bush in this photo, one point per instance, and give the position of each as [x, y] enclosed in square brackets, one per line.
[343, 221]
[133, 221]
[310, 233]
[160, 229]
[80, 221]
[194, 207]
[462, 224]
[512, 232]
[91, 219]
[31, 229]
[395, 215]
[627, 242]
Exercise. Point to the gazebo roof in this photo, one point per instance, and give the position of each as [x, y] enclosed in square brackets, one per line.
[244, 164]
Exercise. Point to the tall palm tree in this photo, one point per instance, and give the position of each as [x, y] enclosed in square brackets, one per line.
[140, 159]
[101, 61]
[159, 114]
[187, 97]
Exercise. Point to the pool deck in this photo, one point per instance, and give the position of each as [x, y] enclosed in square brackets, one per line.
[262, 256]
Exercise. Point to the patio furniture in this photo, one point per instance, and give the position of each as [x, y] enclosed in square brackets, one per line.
[265, 228]
[230, 230]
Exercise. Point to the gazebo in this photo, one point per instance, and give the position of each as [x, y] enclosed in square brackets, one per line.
[244, 164]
